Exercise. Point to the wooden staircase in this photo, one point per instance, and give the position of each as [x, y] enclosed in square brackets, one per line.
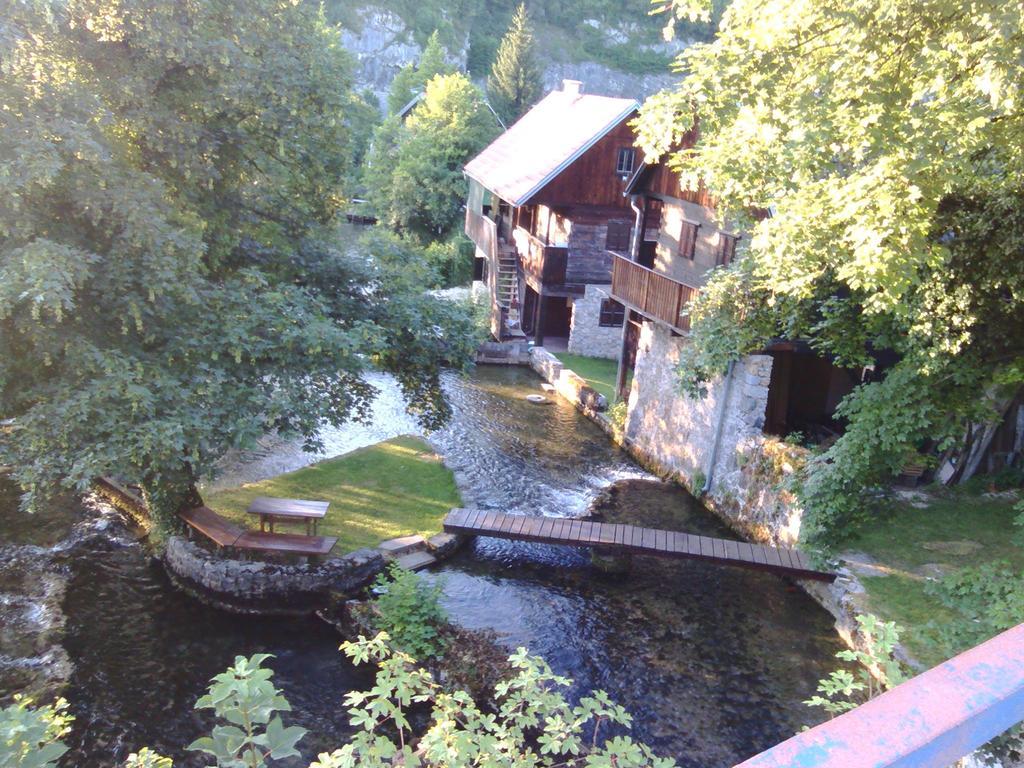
[508, 274]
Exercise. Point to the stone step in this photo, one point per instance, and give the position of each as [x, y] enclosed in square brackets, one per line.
[402, 545]
[415, 561]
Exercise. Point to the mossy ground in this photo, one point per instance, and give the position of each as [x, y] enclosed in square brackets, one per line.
[898, 541]
[390, 489]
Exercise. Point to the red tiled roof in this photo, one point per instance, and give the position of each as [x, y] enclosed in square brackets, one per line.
[544, 141]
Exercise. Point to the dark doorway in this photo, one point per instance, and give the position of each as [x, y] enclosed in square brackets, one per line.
[556, 317]
[804, 392]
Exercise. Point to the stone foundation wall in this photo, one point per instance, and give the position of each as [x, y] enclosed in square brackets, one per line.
[675, 435]
[586, 334]
[566, 382]
[263, 587]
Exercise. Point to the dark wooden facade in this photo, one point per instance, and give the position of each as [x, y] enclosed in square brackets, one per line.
[591, 180]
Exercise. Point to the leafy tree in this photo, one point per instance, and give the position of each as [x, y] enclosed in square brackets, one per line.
[170, 284]
[411, 80]
[889, 142]
[414, 174]
[514, 83]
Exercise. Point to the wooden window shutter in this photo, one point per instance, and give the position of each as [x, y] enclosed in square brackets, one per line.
[727, 249]
[688, 239]
[618, 236]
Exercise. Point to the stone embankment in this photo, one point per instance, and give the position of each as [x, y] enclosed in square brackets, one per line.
[280, 587]
[566, 382]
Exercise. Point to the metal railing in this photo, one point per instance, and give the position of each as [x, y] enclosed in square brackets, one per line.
[652, 294]
[930, 721]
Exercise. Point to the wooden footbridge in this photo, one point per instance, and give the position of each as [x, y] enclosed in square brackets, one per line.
[631, 539]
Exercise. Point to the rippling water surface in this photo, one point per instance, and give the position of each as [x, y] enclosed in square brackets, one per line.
[713, 662]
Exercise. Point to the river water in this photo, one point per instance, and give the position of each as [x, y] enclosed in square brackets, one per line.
[713, 662]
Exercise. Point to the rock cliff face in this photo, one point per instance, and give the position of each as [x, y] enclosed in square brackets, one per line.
[382, 45]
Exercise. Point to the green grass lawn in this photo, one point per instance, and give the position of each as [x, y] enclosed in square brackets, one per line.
[598, 372]
[897, 542]
[390, 489]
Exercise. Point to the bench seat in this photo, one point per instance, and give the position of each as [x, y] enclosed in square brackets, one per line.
[295, 543]
[217, 529]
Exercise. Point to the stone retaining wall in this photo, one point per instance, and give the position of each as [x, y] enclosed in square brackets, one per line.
[566, 382]
[267, 588]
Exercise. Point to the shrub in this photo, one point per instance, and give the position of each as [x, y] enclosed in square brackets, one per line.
[838, 691]
[30, 737]
[534, 726]
[409, 610]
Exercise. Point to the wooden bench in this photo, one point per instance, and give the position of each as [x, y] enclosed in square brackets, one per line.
[295, 543]
[224, 533]
[217, 529]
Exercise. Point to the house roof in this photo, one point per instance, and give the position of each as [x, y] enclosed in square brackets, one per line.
[545, 141]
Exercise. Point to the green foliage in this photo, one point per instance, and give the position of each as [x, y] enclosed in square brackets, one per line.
[248, 701]
[617, 415]
[534, 723]
[514, 83]
[170, 284]
[838, 691]
[889, 148]
[411, 80]
[414, 175]
[409, 610]
[30, 737]
[986, 600]
[147, 758]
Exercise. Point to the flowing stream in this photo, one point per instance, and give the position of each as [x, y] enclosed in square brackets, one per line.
[713, 662]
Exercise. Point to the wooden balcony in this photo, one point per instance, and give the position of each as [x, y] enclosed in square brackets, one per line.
[484, 232]
[651, 293]
[542, 264]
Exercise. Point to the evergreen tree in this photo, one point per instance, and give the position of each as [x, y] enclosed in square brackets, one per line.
[514, 83]
[411, 80]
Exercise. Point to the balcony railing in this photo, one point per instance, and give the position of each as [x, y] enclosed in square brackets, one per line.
[483, 231]
[651, 293]
[544, 263]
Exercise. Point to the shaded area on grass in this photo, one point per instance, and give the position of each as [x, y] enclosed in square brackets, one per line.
[918, 544]
[599, 372]
[393, 488]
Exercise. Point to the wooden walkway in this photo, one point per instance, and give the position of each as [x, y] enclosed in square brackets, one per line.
[629, 538]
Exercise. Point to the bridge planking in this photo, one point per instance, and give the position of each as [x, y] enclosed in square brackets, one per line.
[630, 538]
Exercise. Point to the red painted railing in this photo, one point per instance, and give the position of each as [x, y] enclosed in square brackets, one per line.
[930, 721]
[651, 293]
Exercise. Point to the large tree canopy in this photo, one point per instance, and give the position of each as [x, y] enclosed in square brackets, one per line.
[887, 137]
[414, 172]
[169, 283]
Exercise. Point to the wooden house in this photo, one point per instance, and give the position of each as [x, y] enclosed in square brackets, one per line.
[545, 210]
[680, 241]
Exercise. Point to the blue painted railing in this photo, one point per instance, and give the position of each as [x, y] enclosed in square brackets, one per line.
[930, 721]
